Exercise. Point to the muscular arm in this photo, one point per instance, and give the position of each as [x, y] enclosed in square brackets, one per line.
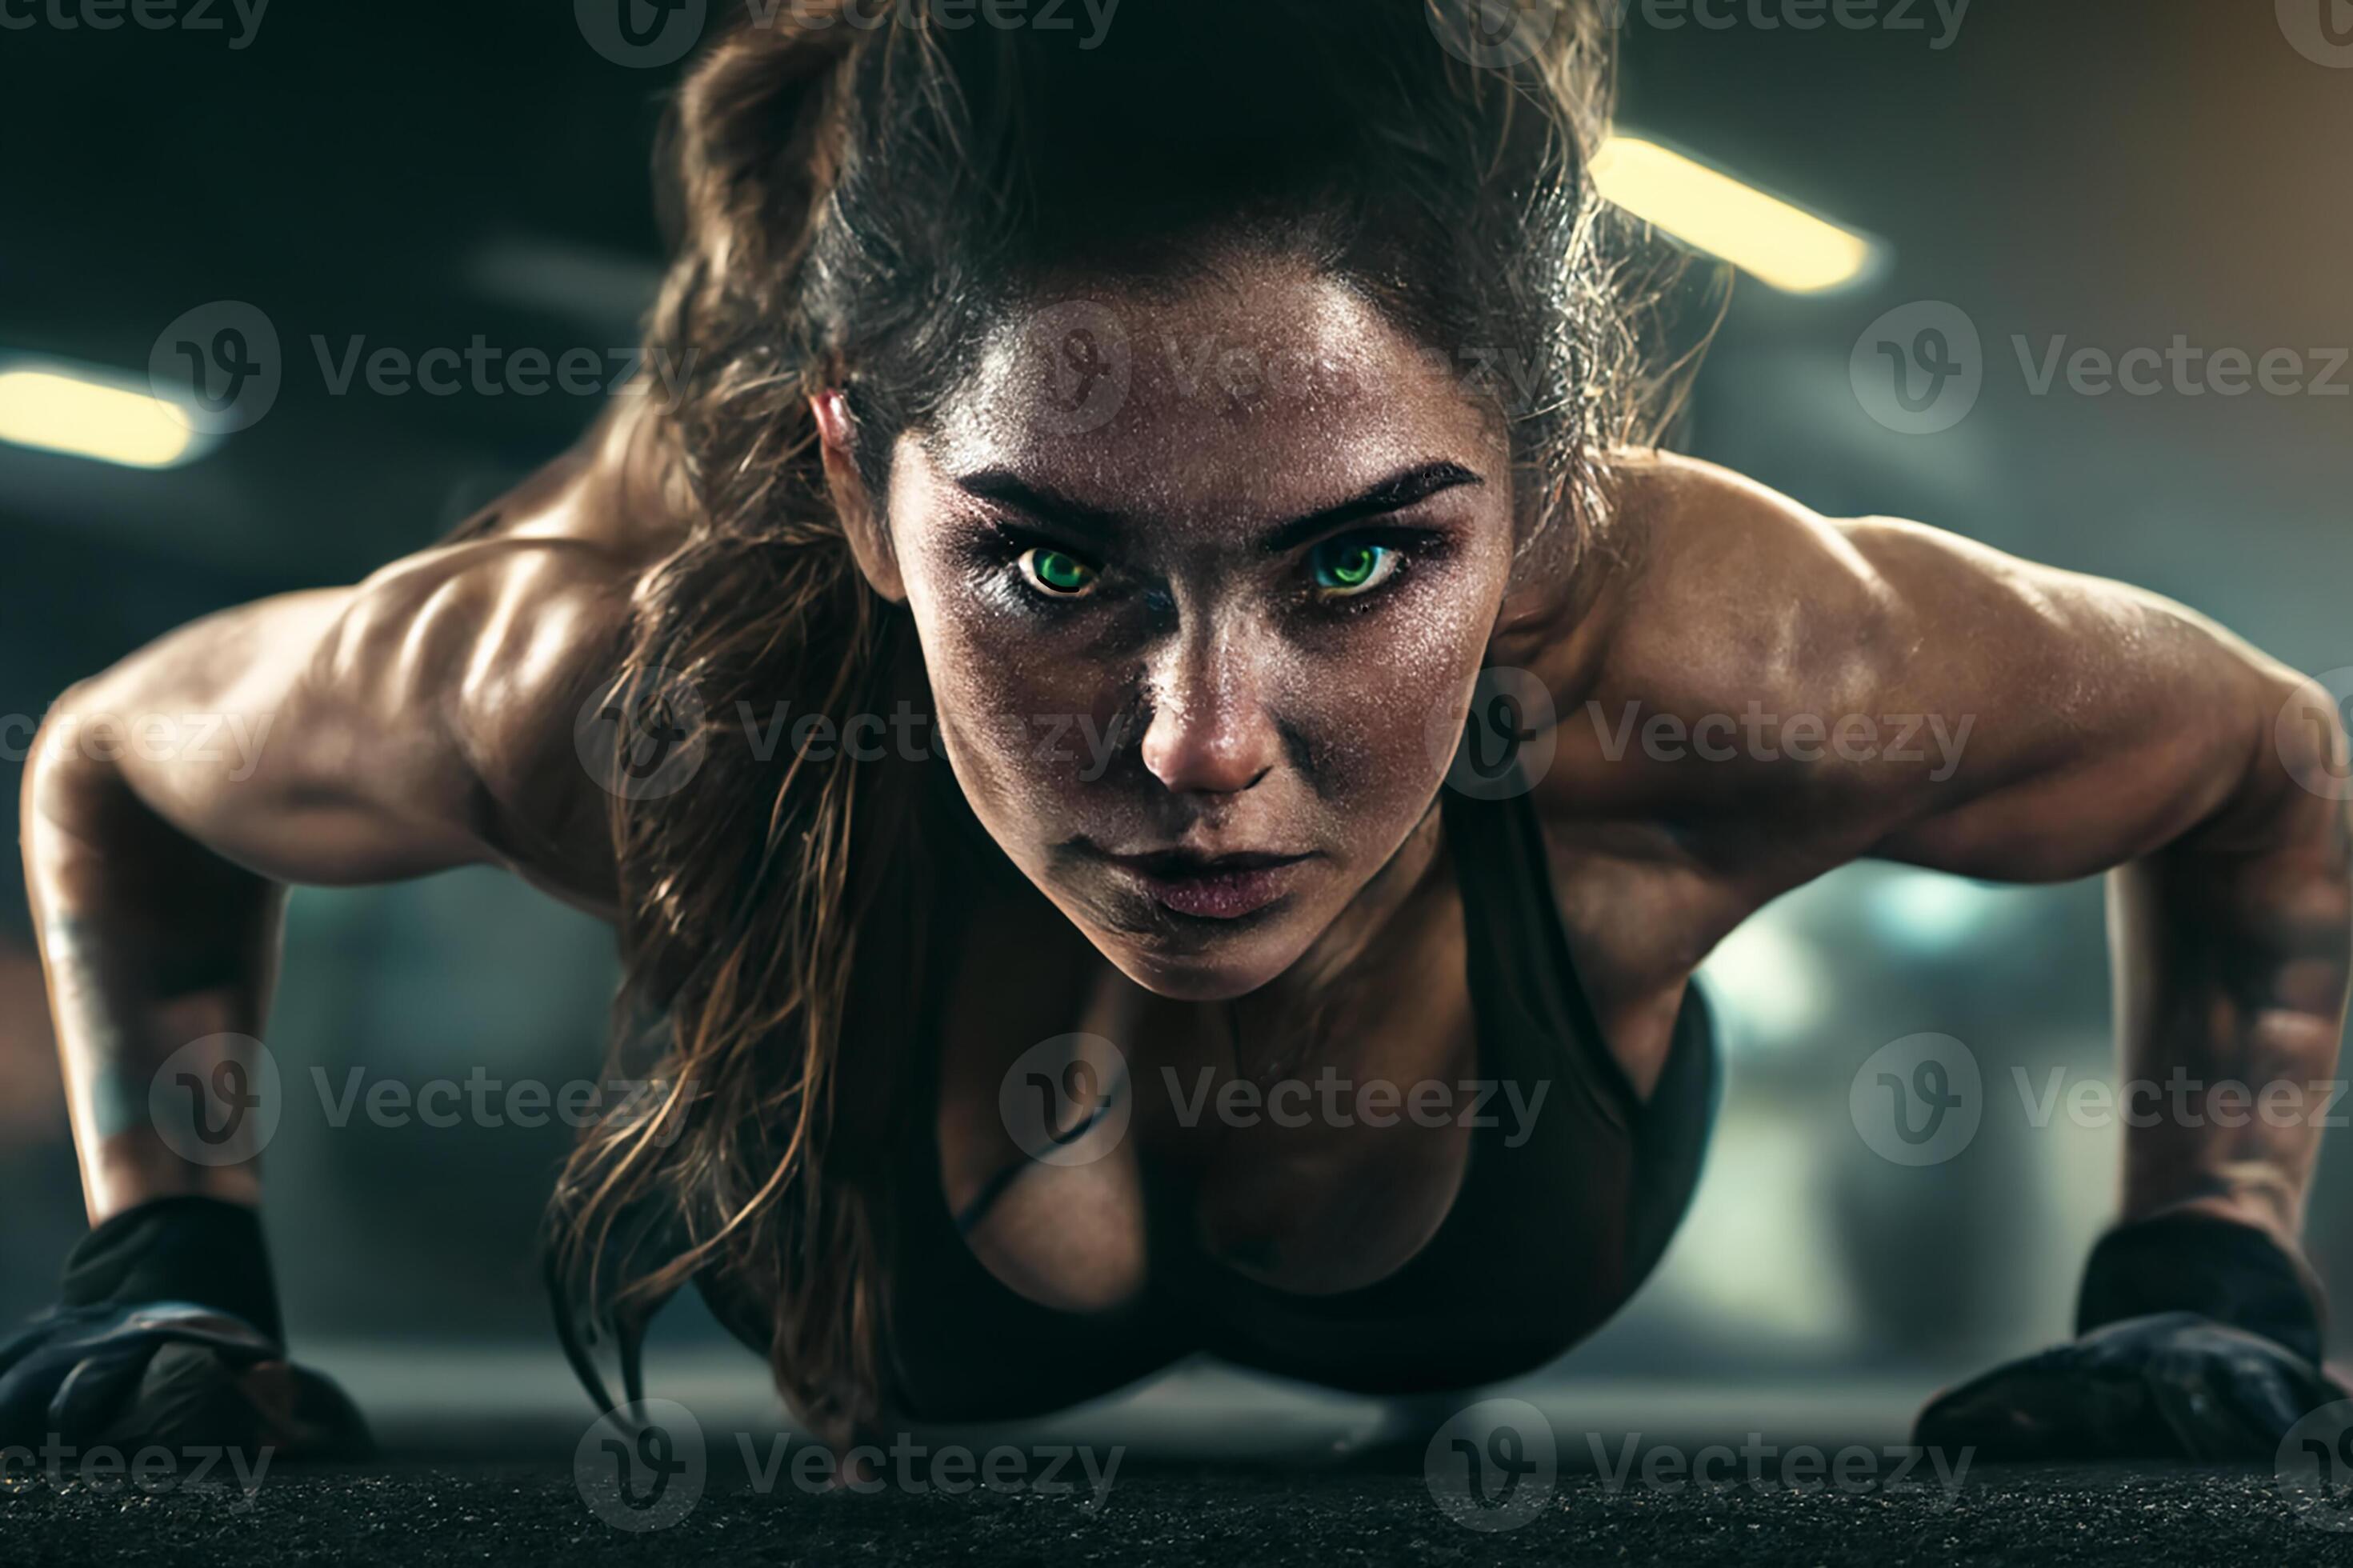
[417, 721]
[2066, 725]
[2143, 740]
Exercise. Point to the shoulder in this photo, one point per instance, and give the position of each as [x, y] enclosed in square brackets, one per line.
[1702, 580]
[1730, 582]
[494, 646]
[1715, 598]
[1793, 690]
[1730, 586]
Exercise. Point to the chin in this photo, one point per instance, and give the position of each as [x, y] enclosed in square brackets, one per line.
[1199, 977]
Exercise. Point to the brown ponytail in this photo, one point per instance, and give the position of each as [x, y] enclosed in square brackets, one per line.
[733, 890]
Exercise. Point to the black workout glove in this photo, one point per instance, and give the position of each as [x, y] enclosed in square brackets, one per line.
[2198, 1338]
[166, 1332]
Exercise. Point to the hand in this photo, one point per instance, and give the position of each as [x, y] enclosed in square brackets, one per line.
[2163, 1386]
[166, 1332]
[172, 1373]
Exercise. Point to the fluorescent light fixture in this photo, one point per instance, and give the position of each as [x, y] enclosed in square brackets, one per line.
[85, 411]
[1783, 246]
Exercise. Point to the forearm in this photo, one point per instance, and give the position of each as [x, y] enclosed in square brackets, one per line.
[170, 801]
[150, 942]
[2232, 953]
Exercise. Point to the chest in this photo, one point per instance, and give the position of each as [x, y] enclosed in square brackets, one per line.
[1313, 1154]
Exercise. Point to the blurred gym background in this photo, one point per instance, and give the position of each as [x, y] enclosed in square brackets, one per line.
[2112, 172]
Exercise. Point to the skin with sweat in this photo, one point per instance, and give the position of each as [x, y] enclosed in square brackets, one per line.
[1274, 591]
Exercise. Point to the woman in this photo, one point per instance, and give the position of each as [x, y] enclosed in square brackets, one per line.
[1155, 465]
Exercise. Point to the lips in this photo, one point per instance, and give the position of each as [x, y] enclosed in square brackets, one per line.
[1217, 887]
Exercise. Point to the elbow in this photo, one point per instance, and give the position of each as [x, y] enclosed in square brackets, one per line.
[2287, 792]
[79, 811]
[2307, 752]
[2308, 735]
[56, 764]
[66, 781]
[2302, 869]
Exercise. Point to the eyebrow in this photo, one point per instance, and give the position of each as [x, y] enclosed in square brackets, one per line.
[1395, 493]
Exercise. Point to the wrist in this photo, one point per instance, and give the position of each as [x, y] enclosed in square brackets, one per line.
[2212, 1264]
[133, 1171]
[182, 1248]
[2276, 1212]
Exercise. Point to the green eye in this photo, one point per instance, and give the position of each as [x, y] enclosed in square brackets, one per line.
[1056, 572]
[1345, 567]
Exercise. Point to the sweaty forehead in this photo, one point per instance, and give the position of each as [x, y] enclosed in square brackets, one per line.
[1241, 397]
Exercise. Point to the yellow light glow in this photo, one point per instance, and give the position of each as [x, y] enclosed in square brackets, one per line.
[85, 416]
[1791, 250]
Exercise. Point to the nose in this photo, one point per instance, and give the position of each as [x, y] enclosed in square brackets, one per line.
[1210, 732]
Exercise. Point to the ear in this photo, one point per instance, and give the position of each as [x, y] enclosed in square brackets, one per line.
[862, 518]
[1535, 615]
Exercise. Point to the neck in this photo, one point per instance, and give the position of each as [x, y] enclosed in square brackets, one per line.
[1278, 1022]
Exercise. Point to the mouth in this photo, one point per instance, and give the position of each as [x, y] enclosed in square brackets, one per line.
[1211, 886]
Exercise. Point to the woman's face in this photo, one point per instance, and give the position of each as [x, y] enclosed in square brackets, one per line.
[1203, 585]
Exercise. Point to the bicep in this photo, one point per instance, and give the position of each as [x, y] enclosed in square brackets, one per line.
[1782, 694]
[2096, 722]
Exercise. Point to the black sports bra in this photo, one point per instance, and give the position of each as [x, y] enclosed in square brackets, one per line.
[1540, 1244]
[1544, 1240]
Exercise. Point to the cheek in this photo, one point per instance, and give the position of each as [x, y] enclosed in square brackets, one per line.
[1028, 726]
[1381, 702]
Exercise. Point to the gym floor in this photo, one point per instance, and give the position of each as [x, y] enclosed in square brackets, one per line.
[491, 1460]
[530, 1512]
